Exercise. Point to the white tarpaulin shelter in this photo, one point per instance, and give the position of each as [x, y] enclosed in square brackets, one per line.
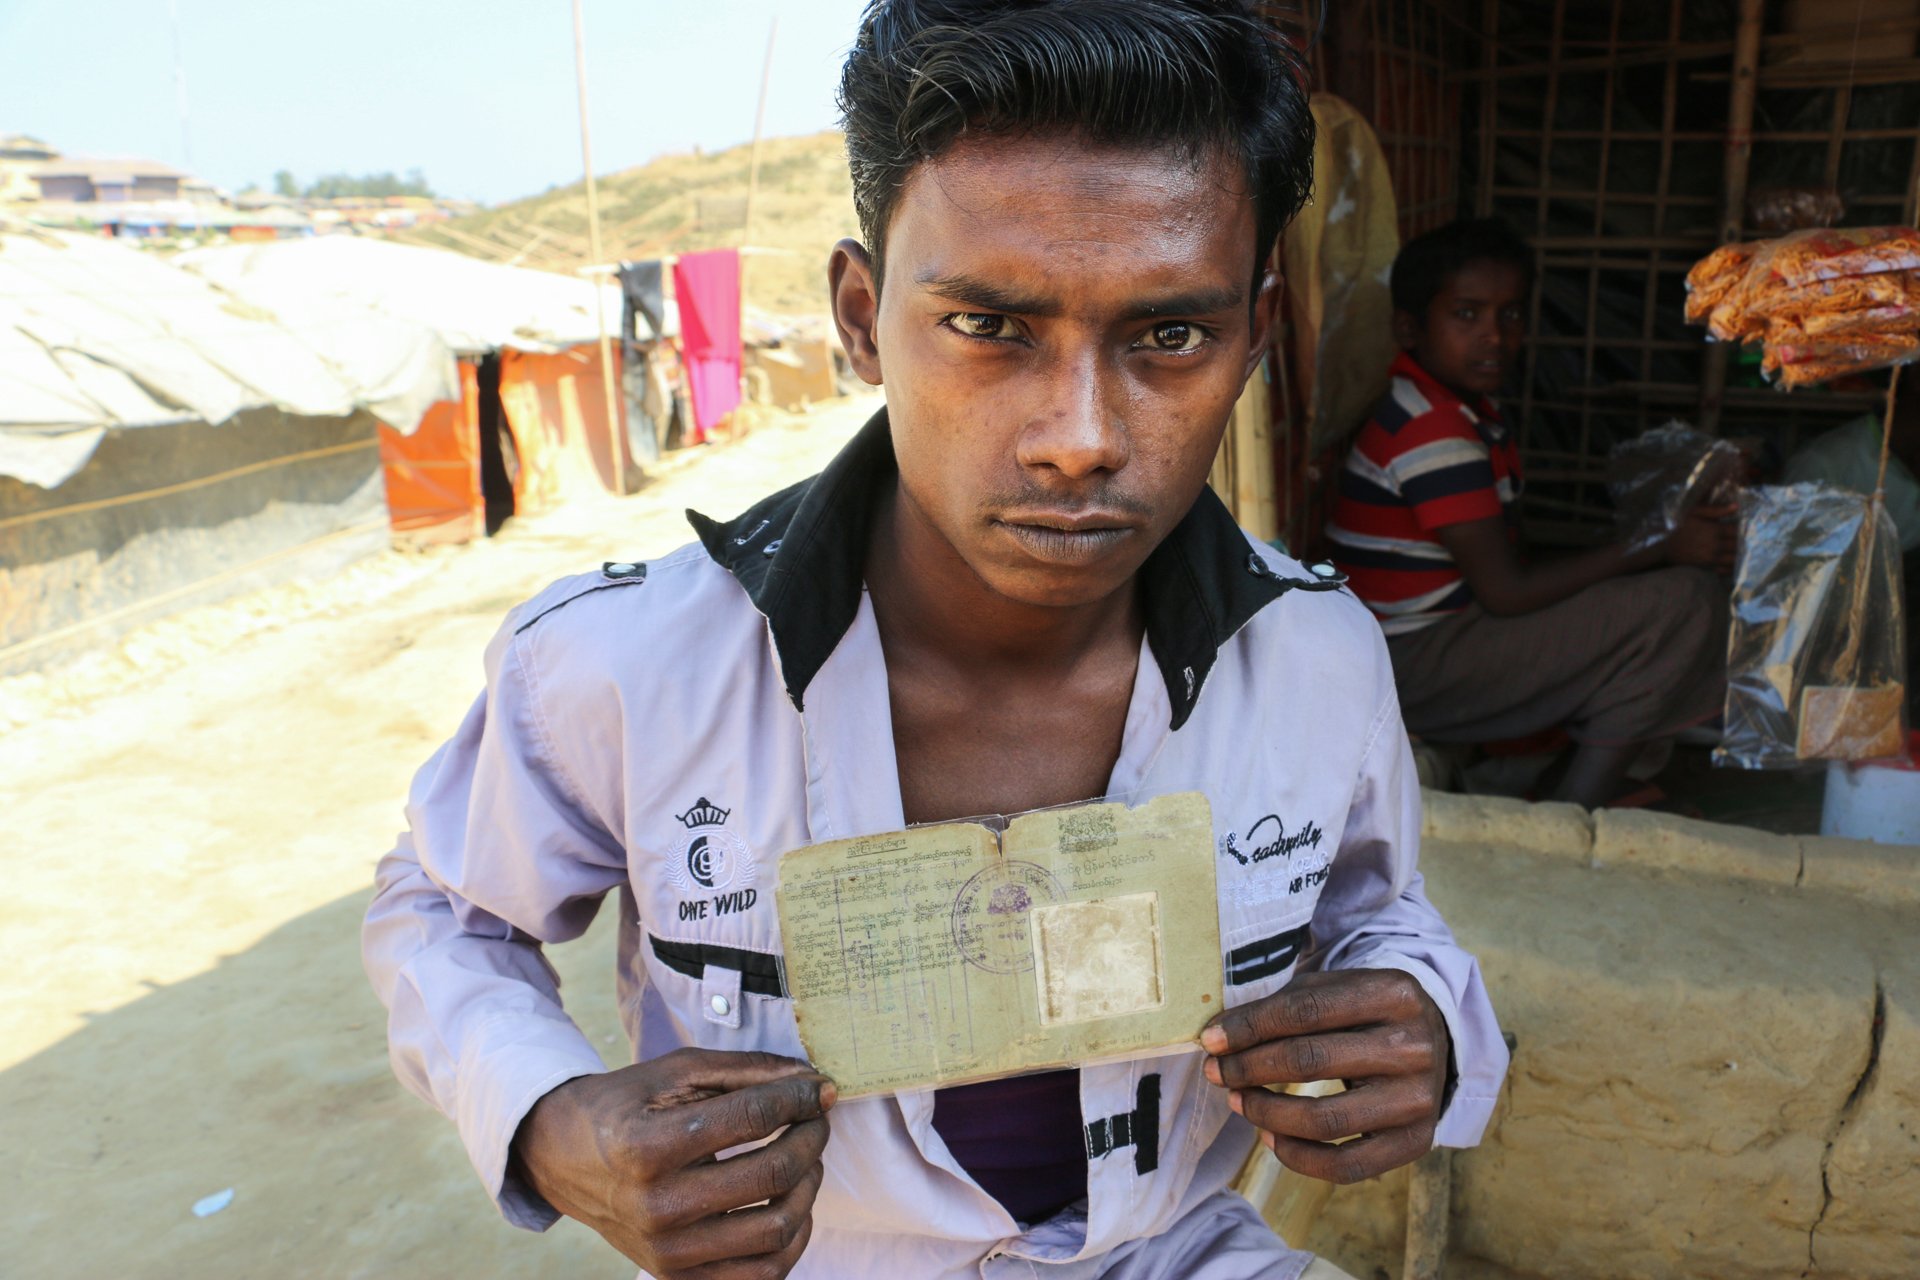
[96, 335]
[474, 306]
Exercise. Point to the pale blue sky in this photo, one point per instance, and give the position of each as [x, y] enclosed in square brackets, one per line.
[477, 93]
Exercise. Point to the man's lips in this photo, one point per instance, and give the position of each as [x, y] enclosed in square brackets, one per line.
[1067, 538]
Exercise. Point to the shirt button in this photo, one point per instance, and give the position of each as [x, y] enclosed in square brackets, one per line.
[720, 1005]
[1325, 570]
[619, 570]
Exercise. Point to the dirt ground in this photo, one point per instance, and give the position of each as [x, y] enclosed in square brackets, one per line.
[191, 825]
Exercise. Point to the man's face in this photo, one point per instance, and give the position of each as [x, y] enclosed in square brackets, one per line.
[1062, 335]
[1471, 336]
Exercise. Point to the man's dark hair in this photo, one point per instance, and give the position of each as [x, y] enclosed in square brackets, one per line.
[1197, 75]
[1421, 269]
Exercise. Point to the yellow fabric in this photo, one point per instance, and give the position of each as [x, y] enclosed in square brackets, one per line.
[1337, 254]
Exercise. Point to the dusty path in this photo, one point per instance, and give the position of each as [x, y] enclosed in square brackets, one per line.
[186, 863]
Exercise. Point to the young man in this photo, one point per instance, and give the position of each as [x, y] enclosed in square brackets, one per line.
[1487, 645]
[1012, 590]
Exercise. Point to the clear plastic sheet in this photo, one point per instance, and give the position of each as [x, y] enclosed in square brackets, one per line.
[1778, 209]
[1817, 656]
[1656, 478]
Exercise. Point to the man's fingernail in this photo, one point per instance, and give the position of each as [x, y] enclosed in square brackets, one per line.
[1233, 1102]
[1212, 1068]
[1213, 1040]
[828, 1095]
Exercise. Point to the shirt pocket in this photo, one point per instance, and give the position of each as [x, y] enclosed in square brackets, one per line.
[724, 996]
[1261, 955]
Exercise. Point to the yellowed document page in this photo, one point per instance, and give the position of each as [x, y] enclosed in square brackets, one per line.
[940, 955]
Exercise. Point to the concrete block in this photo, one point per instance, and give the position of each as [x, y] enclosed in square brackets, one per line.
[1553, 830]
[1637, 838]
[1885, 873]
[1685, 1047]
[1872, 1223]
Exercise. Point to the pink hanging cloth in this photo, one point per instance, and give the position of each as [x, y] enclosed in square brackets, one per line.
[707, 287]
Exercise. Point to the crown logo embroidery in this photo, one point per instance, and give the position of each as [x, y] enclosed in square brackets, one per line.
[704, 814]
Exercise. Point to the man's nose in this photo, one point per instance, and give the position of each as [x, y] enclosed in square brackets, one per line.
[1078, 428]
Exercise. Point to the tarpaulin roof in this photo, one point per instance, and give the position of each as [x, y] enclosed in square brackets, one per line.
[474, 306]
[96, 335]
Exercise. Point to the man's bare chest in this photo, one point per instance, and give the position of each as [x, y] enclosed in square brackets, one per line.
[964, 758]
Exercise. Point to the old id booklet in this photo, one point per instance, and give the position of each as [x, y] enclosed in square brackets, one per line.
[945, 954]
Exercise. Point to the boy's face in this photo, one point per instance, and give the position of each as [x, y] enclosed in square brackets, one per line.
[1471, 335]
[1063, 333]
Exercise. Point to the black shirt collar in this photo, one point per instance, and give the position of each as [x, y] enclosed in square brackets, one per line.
[799, 554]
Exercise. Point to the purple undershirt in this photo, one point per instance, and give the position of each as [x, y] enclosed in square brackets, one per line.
[1022, 1140]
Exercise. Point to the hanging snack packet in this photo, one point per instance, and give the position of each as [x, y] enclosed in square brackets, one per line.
[1816, 661]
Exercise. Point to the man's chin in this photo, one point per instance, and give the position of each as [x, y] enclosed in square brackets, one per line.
[1054, 586]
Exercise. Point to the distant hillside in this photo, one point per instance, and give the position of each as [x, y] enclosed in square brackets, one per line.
[680, 203]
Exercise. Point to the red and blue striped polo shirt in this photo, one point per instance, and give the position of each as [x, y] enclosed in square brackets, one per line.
[1424, 460]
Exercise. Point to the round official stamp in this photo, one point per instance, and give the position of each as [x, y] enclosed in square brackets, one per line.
[990, 915]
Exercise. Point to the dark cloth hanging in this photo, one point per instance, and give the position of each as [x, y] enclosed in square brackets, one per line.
[643, 292]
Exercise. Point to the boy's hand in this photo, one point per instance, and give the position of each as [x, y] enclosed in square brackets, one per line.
[1708, 537]
[1375, 1029]
[631, 1154]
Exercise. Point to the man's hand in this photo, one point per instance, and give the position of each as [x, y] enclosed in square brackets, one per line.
[1708, 537]
[631, 1154]
[1375, 1029]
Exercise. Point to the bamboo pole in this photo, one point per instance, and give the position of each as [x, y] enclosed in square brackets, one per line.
[759, 126]
[1746, 79]
[616, 431]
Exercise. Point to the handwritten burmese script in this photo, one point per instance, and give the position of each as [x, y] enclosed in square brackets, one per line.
[945, 954]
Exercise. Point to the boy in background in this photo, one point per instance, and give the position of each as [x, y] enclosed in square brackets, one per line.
[1619, 649]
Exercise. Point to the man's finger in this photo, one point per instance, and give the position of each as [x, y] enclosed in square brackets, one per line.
[745, 1233]
[718, 1186]
[723, 1071]
[757, 1268]
[1339, 1055]
[1353, 1161]
[683, 1134]
[1315, 1002]
[1373, 1107]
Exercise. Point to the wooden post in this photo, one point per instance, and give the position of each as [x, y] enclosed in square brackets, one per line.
[1429, 1204]
[1746, 81]
[1489, 104]
[616, 429]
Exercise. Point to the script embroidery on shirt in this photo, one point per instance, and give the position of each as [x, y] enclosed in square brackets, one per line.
[1268, 839]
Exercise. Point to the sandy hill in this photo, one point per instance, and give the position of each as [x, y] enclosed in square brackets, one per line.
[680, 203]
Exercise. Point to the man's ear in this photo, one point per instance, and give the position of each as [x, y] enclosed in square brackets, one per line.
[1266, 313]
[856, 308]
[1406, 329]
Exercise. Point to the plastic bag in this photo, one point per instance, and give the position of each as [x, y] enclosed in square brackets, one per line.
[1817, 656]
[1656, 478]
[1828, 253]
[1799, 366]
[1780, 209]
[1848, 457]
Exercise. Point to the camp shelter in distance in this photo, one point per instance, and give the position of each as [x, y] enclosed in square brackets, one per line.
[528, 428]
[163, 444]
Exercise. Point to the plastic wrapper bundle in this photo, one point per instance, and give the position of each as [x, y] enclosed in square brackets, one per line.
[1817, 655]
[1823, 302]
[1779, 209]
[1656, 478]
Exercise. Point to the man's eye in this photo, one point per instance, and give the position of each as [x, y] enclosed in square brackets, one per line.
[1465, 313]
[1176, 337]
[978, 324]
[1511, 315]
